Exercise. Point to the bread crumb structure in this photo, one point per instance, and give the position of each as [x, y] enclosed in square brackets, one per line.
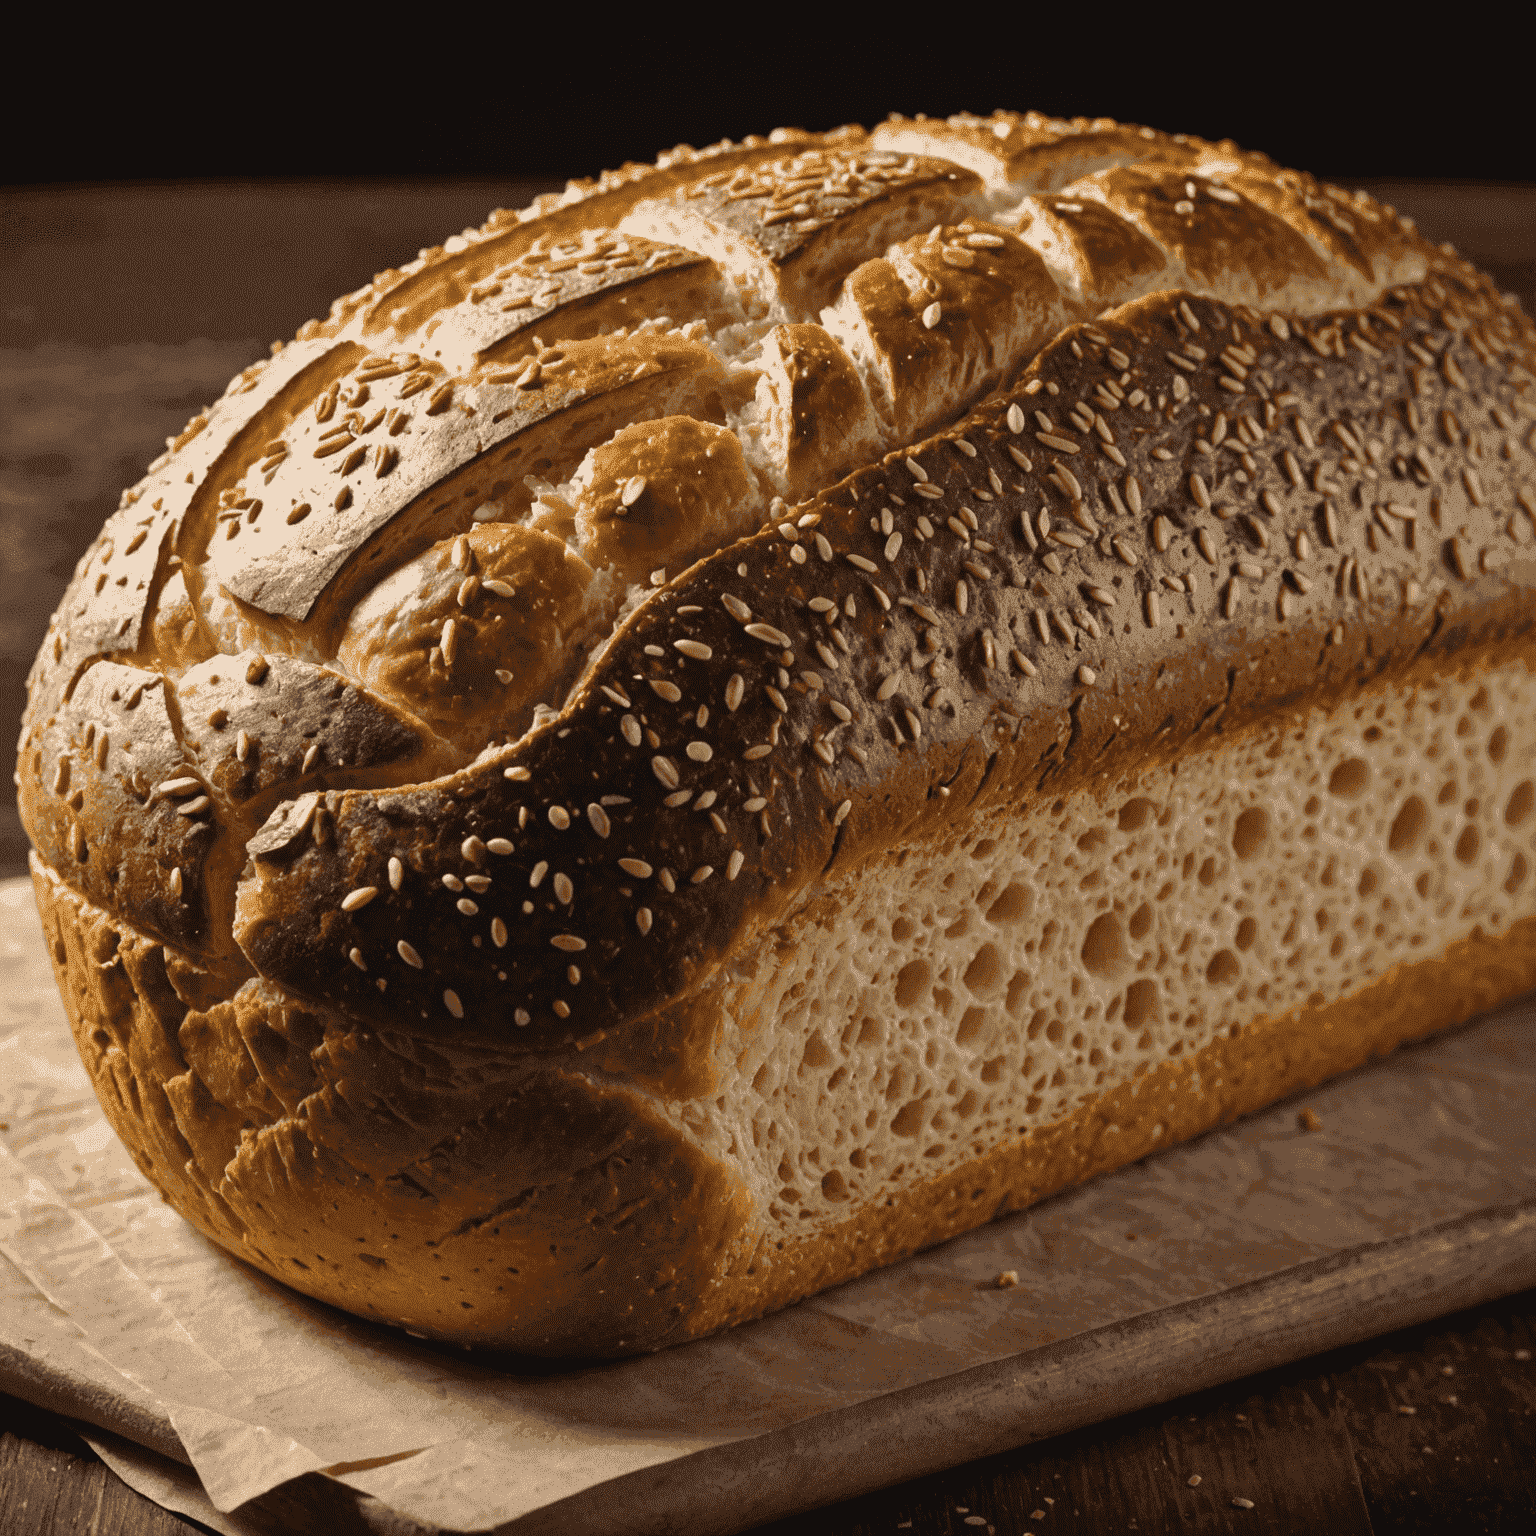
[740, 721]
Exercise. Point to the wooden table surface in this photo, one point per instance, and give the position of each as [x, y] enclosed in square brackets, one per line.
[1432, 1429]
[1429, 1430]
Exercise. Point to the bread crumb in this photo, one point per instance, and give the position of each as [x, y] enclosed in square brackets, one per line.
[1194, 1479]
[1007, 1279]
[1308, 1121]
[1242, 1503]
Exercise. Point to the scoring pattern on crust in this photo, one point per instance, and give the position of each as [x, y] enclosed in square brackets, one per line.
[1265, 518]
[1181, 469]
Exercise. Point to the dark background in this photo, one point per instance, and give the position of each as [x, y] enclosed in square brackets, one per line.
[168, 208]
[568, 90]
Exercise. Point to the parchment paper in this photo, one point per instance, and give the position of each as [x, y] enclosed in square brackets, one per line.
[260, 1385]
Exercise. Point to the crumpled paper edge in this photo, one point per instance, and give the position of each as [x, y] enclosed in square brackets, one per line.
[1157, 1356]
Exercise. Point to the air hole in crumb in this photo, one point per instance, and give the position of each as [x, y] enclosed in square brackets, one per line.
[911, 982]
[1093, 838]
[1368, 879]
[903, 929]
[1372, 733]
[1421, 885]
[1408, 825]
[816, 1053]
[983, 849]
[1010, 906]
[1247, 931]
[1140, 1001]
[1223, 969]
[833, 1186]
[1520, 803]
[1134, 813]
[1104, 946]
[1018, 992]
[909, 1119]
[1517, 871]
[1208, 872]
[1141, 920]
[1469, 844]
[984, 973]
[1349, 778]
[1498, 744]
[1447, 793]
[972, 1021]
[1250, 832]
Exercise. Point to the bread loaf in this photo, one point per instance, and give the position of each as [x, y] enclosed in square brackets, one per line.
[747, 718]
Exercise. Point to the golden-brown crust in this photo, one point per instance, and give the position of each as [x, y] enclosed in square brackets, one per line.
[1033, 152]
[946, 316]
[817, 414]
[661, 493]
[1297, 580]
[471, 1195]
[477, 1197]
[1185, 515]
[501, 652]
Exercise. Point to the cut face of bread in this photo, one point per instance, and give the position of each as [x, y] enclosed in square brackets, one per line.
[920, 1013]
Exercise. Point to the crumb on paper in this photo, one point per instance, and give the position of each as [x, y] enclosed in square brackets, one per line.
[1308, 1121]
[1007, 1279]
[1194, 1479]
[1241, 1503]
